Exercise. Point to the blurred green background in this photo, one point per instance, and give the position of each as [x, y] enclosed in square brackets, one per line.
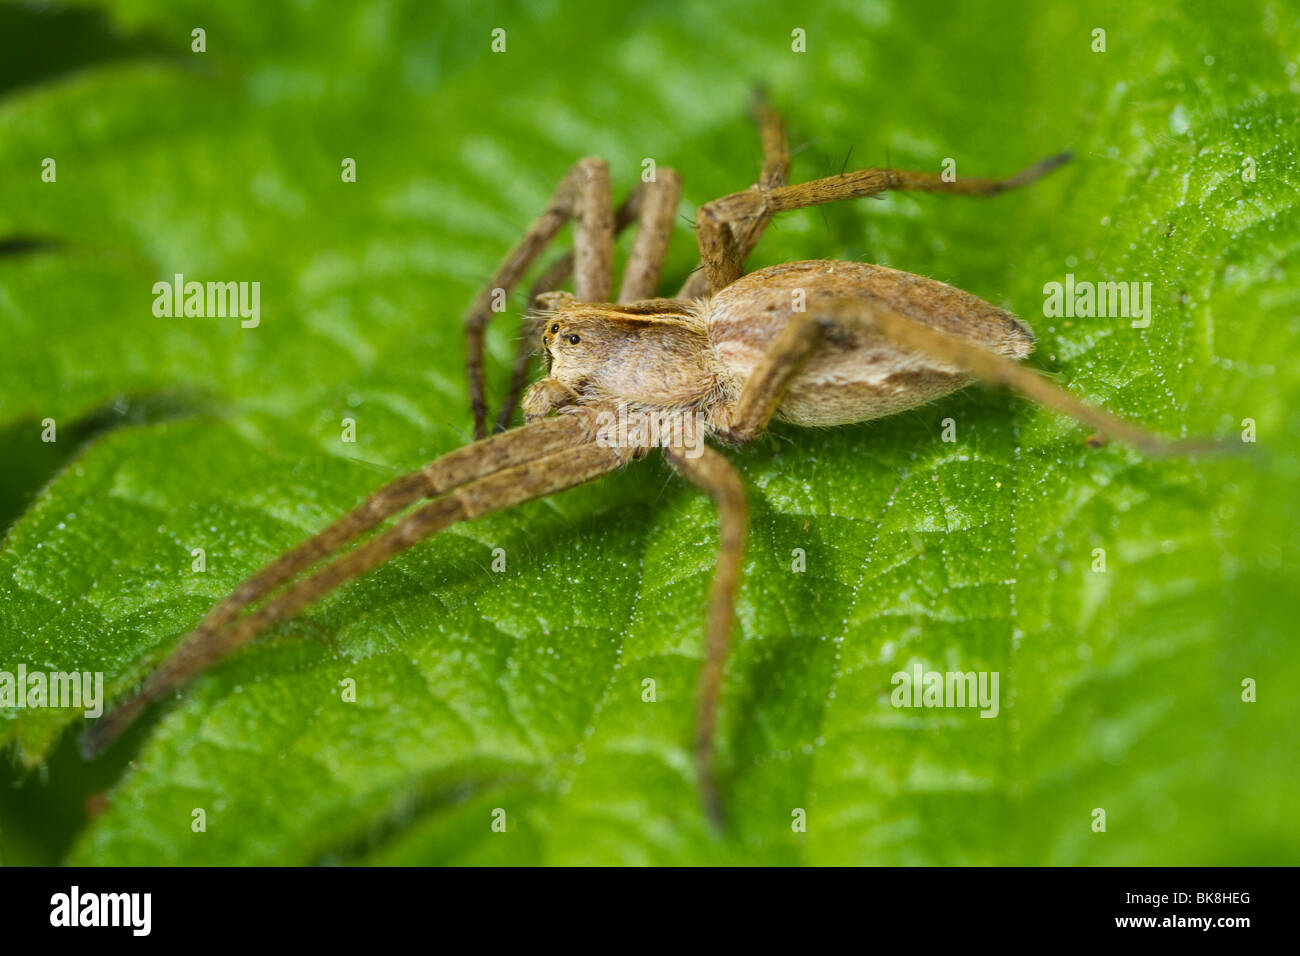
[522, 690]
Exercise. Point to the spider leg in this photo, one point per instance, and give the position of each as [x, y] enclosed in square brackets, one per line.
[653, 206]
[767, 384]
[763, 391]
[451, 470]
[655, 222]
[497, 473]
[556, 274]
[776, 172]
[583, 195]
[995, 369]
[719, 225]
[711, 472]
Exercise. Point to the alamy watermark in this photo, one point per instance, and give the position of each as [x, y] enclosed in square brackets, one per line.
[132, 911]
[1084, 299]
[640, 428]
[921, 688]
[77, 689]
[213, 300]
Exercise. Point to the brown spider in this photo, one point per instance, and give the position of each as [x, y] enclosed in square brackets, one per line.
[813, 343]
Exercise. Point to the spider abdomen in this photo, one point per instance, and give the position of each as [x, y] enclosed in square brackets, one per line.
[854, 375]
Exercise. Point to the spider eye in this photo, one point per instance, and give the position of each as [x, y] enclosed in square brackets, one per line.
[554, 329]
[574, 340]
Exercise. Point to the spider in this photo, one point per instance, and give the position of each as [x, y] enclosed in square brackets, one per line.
[813, 343]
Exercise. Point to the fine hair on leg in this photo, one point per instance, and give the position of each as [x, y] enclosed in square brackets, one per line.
[711, 472]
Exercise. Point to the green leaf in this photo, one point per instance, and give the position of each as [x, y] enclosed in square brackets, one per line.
[522, 689]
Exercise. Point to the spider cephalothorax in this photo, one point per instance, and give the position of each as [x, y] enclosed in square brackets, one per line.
[625, 355]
